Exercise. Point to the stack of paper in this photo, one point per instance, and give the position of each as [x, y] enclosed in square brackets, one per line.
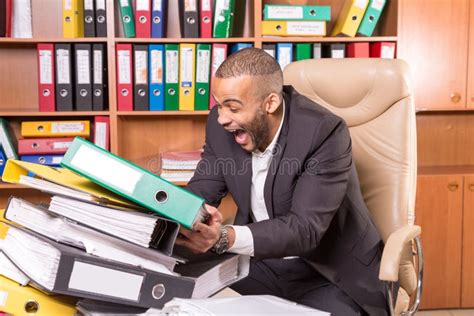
[179, 165]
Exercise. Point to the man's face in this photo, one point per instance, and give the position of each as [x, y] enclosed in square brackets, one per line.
[241, 112]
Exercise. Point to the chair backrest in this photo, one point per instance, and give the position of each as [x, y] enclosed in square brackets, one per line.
[374, 97]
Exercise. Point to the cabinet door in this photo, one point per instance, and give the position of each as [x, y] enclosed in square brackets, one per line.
[439, 213]
[470, 80]
[468, 244]
[433, 39]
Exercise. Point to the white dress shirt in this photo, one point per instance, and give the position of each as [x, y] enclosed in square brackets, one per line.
[243, 243]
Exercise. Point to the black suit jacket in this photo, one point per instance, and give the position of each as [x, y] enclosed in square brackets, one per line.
[312, 196]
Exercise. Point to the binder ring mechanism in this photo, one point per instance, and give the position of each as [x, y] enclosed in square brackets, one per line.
[88, 19]
[158, 291]
[171, 91]
[97, 92]
[312, 12]
[161, 196]
[354, 18]
[141, 92]
[202, 91]
[156, 92]
[142, 19]
[63, 93]
[101, 19]
[126, 19]
[191, 20]
[206, 19]
[156, 20]
[83, 92]
[46, 92]
[124, 92]
[31, 307]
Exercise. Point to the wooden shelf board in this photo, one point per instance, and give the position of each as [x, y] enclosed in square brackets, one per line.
[46, 114]
[329, 39]
[443, 110]
[161, 113]
[9, 186]
[443, 170]
[52, 40]
[185, 40]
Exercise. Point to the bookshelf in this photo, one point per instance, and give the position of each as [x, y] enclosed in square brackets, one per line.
[139, 136]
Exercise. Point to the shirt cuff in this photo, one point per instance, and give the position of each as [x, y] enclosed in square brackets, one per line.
[243, 243]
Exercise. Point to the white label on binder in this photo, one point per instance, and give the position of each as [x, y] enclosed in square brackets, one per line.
[270, 52]
[388, 52]
[157, 5]
[56, 160]
[46, 67]
[338, 53]
[378, 4]
[88, 4]
[6, 144]
[219, 57]
[63, 66]
[305, 28]
[172, 67]
[106, 169]
[362, 4]
[124, 67]
[105, 281]
[61, 145]
[156, 66]
[186, 66]
[222, 5]
[100, 137]
[190, 5]
[206, 5]
[67, 4]
[83, 67]
[202, 66]
[100, 4]
[3, 298]
[285, 12]
[143, 5]
[124, 3]
[98, 67]
[67, 127]
[141, 68]
[284, 58]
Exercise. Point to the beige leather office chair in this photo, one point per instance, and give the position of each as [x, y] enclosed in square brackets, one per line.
[374, 97]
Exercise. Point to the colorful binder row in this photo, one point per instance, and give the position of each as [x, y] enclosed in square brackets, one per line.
[161, 77]
[84, 18]
[72, 77]
[286, 53]
[15, 19]
[198, 18]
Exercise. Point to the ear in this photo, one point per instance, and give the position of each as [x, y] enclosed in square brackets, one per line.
[272, 103]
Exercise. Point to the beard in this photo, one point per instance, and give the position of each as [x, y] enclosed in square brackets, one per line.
[258, 129]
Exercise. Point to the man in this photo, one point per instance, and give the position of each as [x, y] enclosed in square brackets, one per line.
[287, 163]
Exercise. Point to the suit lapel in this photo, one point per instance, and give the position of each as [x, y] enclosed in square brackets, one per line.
[243, 178]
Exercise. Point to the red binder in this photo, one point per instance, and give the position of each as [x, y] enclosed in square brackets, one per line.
[124, 77]
[383, 50]
[358, 50]
[9, 12]
[46, 92]
[205, 14]
[143, 19]
[44, 146]
[219, 54]
[102, 132]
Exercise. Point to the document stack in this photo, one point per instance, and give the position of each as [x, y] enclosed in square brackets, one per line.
[179, 166]
[108, 234]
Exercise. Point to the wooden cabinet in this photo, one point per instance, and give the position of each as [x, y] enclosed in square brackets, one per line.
[470, 78]
[434, 38]
[467, 293]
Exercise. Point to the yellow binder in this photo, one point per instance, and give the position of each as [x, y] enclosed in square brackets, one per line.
[350, 18]
[187, 82]
[294, 28]
[73, 18]
[16, 168]
[55, 129]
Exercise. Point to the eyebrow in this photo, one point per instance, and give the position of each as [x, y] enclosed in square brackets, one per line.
[232, 100]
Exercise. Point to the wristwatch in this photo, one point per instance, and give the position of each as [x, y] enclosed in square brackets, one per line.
[222, 244]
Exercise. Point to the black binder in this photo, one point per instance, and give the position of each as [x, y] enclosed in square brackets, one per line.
[99, 80]
[100, 18]
[3, 18]
[83, 77]
[63, 76]
[89, 18]
[189, 18]
[140, 78]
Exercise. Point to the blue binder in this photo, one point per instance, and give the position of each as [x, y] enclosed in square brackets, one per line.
[156, 71]
[3, 160]
[238, 46]
[158, 18]
[284, 54]
[47, 160]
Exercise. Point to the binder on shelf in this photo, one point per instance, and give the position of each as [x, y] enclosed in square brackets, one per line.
[46, 93]
[83, 77]
[47, 160]
[270, 49]
[303, 51]
[293, 28]
[89, 18]
[100, 18]
[99, 77]
[126, 14]
[8, 17]
[7, 141]
[140, 85]
[21, 26]
[284, 53]
[203, 69]
[3, 160]
[73, 18]
[297, 12]
[383, 50]
[55, 128]
[335, 50]
[350, 18]
[359, 50]
[3, 18]
[134, 183]
[43, 146]
[157, 77]
[219, 54]
[187, 58]
[159, 18]
[64, 80]
[205, 14]
[223, 18]
[101, 135]
[238, 46]
[143, 19]
[172, 65]
[124, 77]
[189, 18]
[371, 17]
[317, 50]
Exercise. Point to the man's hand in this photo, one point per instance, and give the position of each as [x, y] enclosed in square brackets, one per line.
[203, 235]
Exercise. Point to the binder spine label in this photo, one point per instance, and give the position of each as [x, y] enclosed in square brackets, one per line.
[3, 298]
[46, 66]
[387, 51]
[287, 12]
[219, 57]
[223, 5]
[67, 127]
[284, 57]
[143, 5]
[157, 5]
[206, 5]
[124, 67]
[100, 134]
[202, 69]
[83, 67]
[378, 4]
[307, 28]
[62, 62]
[124, 3]
[171, 66]
[187, 67]
[156, 66]
[100, 4]
[361, 3]
[141, 67]
[68, 5]
[61, 145]
[98, 67]
[56, 160]
[190, 5]
[88, 4]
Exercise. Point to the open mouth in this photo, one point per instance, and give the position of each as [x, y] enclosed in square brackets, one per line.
[240, 136]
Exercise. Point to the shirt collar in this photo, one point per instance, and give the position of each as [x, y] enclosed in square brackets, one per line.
[270, 147]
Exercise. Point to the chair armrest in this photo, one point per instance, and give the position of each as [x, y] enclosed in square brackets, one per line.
[393, 250]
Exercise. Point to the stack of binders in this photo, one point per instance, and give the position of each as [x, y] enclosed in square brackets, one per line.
[179, 166]
[84, 18]
[108, 234]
